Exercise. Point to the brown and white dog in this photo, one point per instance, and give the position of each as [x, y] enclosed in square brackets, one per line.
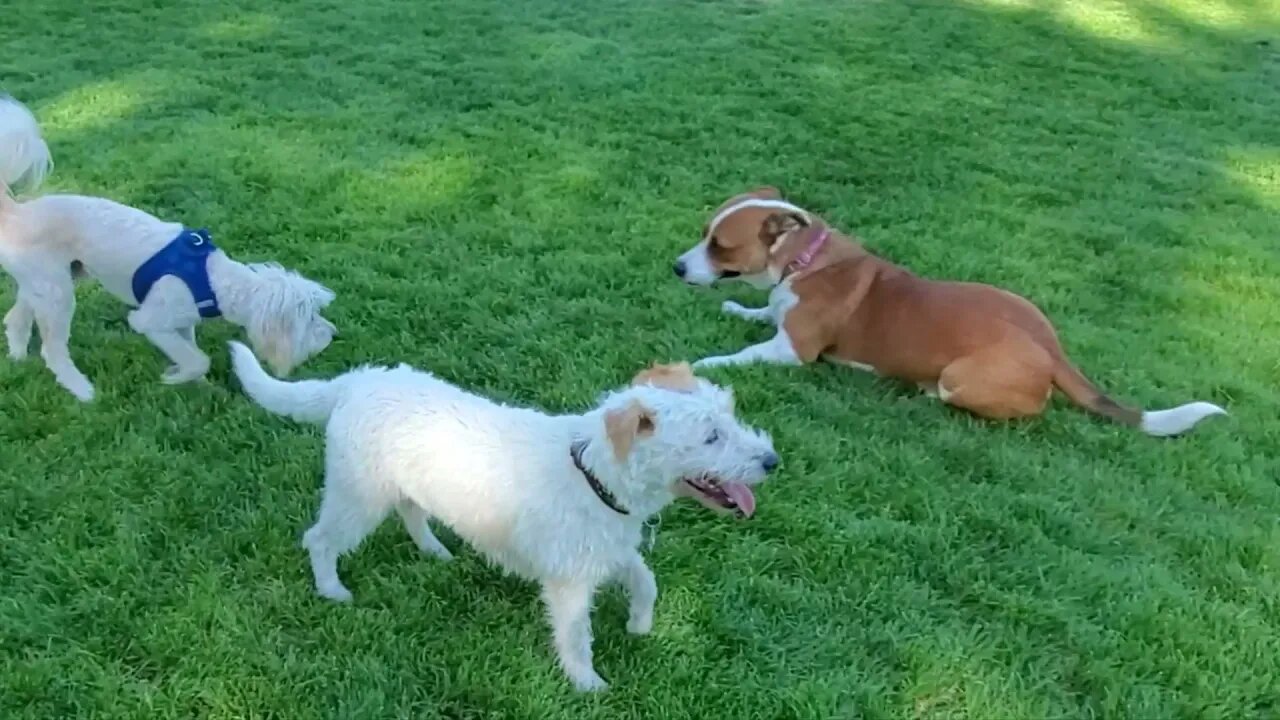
[973, 346]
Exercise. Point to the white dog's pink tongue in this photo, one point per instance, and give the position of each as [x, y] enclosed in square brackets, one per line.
[742, 495]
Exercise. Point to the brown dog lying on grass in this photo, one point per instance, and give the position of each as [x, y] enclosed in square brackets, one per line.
[971, 345]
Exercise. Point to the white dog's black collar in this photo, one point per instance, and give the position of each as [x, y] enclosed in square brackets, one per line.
[606, 497]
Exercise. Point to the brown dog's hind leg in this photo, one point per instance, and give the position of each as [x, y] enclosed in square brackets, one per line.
[1012, 379]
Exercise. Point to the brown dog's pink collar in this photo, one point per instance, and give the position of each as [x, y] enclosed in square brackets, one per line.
[806, 256]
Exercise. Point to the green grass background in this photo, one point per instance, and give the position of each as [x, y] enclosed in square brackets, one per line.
[496, 191]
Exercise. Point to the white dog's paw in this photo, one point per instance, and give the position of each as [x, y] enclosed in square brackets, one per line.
[710, 362]
[588, 681]
[336, 593]
[82, 390]
[17, 354]
[175, 375]
[439, 552]
[729, 307]
[640, 623]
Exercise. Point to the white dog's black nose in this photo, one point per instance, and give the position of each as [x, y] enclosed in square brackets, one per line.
[770, 462]
[679, 268]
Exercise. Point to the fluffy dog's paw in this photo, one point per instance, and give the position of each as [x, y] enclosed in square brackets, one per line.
[730, 307]
[589, 681]
[176, 375]
[336, 594]
[440, 552]
[17, 354]
[640, 624]
[82, 390]
[709, 362]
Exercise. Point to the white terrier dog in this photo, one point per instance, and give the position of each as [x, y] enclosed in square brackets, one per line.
[559, 499]
[172, 275]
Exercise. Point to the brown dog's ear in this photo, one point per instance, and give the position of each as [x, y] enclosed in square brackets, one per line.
[625, 425]
[766, 192]
[778, 225]
[677, 376]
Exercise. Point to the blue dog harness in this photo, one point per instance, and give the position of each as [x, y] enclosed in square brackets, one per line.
[186, 258]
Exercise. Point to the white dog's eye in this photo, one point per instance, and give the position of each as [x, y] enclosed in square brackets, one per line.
[714, 437]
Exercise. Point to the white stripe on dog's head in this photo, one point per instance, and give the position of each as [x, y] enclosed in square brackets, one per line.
[754, 203]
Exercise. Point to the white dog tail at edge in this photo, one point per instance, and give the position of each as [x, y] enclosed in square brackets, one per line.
[304, 400]
[24, 156]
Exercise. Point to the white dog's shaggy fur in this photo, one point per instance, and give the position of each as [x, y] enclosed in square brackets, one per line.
[43, 239]
[505, 480]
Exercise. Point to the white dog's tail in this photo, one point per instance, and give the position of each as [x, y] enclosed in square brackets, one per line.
[24, 157]
[304, 400]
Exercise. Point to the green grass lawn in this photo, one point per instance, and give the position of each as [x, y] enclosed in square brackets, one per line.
[496, 192]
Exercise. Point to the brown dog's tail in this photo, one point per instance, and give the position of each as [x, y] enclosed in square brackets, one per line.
[1159, 423]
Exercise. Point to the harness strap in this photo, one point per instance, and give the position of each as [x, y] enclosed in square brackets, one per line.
[186, 258]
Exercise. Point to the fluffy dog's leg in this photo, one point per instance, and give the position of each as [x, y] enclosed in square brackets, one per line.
[167, 318]
[569, 605]
[638, 580]
[189, 362]
[348, 513]
[324, 564]
[760, 315]
[54, 303]
[17, 328]
[416, 522]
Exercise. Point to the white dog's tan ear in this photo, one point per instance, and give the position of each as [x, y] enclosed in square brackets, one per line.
[766, 192]
[625, 425]
[677, 376]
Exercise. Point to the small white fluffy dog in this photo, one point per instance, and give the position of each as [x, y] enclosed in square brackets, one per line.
[559, 499]
[158, 267]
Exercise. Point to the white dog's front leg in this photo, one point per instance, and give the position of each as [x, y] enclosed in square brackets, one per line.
[167, 317]
[778, 350]
[760, 315]
[569, 605]
[641, 586]
[189, 362]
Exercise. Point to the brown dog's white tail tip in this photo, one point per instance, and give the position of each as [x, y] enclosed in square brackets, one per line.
[1175, 421]
[1157, 423]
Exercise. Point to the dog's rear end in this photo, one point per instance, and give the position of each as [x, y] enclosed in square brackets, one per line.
[46, 286]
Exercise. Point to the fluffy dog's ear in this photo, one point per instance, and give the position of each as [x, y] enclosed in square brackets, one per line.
[778, 225]
[323, 295]
[625, 425]
[677, 376]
